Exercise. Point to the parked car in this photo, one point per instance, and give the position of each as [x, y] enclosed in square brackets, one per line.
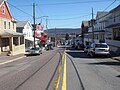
[34, 51]
[98, 49]
[49, 47]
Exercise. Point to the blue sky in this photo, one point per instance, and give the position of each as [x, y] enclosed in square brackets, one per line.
[61, 13]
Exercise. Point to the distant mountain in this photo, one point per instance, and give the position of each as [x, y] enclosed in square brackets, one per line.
[63, 31]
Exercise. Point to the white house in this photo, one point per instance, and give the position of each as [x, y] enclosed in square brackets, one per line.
[25, 27]
[112, 34]
[99, 27]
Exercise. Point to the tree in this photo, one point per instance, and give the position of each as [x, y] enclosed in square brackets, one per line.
[67, 36]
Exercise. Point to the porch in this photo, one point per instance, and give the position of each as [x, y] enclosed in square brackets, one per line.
[11, 43]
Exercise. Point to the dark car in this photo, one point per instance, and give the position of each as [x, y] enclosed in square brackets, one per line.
[49, 47]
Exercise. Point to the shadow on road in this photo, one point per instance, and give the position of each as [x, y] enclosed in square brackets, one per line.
[118, 76]
[106, 63]
[81, 54]
[77, 54]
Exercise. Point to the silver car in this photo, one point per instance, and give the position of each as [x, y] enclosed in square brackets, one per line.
[98, 49]
[34, 51]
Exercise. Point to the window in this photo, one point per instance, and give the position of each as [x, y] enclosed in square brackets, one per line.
[116, 34]
[15, 41]
[21, 40]
[9, 25]
[119, 17]
[13, 26]
[114, 18]
[3, 9]
[4, 24]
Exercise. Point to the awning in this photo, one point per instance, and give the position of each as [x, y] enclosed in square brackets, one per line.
[7, 33]
[42, 38]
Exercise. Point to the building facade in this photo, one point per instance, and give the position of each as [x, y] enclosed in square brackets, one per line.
[112, 34]
[11, 42]
[106, 28]
[25, 27]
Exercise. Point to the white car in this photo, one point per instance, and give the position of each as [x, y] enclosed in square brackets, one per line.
[98, 49]
[34, 51]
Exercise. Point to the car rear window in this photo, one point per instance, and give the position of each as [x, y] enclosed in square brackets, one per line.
[35, 48]
[101, 46]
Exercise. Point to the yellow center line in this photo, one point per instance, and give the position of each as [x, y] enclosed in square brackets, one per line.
[59, 74]
[64, 74]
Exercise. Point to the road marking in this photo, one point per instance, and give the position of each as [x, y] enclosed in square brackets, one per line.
[64, 74]
[59, 73]
[58, 78]
[11, 60]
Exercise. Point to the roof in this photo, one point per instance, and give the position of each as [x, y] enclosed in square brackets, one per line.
[10, 33]
[85, 23]
[21, 23]
[102, 16]
[1, 1]
[4, 1]
[115, 9]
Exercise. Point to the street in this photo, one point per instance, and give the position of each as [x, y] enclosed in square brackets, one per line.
[40, 72]
[31, 73]
[60, 45]
[86, 73]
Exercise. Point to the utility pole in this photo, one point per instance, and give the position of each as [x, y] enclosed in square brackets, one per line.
[34, 26]
[92, 26]
[47, 25]
[55, 37]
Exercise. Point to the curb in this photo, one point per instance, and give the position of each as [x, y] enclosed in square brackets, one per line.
[12, 60]
[115, 58]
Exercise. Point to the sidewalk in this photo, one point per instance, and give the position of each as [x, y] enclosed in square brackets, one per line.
[6, 58]
[116, 58]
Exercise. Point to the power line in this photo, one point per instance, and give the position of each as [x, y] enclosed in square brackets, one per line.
[41, 10]
[105, 9]
[20, 9]
[68, 14]
[109, 5]
[71, 17]
[70, 3]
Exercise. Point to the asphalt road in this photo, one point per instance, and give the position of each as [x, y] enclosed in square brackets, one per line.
[40, 72]
[86, 73]
[31, 73]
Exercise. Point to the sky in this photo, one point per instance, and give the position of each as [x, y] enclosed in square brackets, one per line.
[59, 13]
